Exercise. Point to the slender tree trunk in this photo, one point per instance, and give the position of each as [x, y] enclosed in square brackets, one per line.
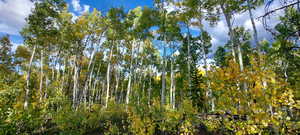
[64, 75]
[130, 74]
[163, 88]
[90, 85]
[141, 77]
[41, 76]
[163, 76]
[143, 85]
[174, 91]
[46, 86]
[208, 81]
[298, 5]
[285, 68]
[150, 89]
[93, 93]
[96, 95]
[253, 26]
[231, 34]
[89, 76]
[75, 78]
[209, 91]
[128, 88]
[121, 93]
[240, 56]
[70, 77]
[108, 76]
[58, 77]
[117, 84]
[53, 68]
[189, 57]
[101, 93]
[232, 38]
[90, 70]
[28, 79]
[234, 44]
[172, 86]
[55, 64]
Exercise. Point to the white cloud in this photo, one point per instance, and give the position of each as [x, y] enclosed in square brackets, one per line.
[76, 5]
[86, 8]
[15, 46]
[13, 14]
[219, 32]
[214, 40]
[5, 28]
[170, 7]
[78, 8]
[209, 61]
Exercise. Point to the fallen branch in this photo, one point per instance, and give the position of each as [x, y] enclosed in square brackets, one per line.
[227, 115]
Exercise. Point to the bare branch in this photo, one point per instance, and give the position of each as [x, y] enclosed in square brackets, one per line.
[274, 10]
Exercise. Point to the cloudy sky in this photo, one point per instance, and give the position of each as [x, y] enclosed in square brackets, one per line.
[14, 12]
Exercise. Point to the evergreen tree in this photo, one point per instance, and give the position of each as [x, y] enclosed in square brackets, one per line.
[6, 55]
[220, 57]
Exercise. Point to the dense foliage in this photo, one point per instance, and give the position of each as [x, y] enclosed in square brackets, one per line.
[144, 72]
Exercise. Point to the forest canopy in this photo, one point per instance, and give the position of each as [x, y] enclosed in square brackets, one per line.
[143, 71]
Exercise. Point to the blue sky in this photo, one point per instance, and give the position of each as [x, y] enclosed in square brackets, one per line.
[14, 12]
[13, 21]
[104, 5]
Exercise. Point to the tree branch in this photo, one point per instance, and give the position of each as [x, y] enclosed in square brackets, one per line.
[274, 10]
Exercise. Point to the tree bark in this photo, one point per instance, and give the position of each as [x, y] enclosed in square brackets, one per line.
[209, 91]
[298, 5]
[240, 56]
[231, 34]
[41, 76]
[149, 89]
[117, 74]
[253, 26]
[96, 94]
[108, 76]
[189, 57]
[63, 74]
[172, 86]
[130, 74]
[90, 85]
[28, 79]
[75, 84]
[88, 76]
[163, 78]
[208, 81]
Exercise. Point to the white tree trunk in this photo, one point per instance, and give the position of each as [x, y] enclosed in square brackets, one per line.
[28, 79]
[189, 58]
[234, 44]
[172, 87]
[113, 94]
[41, 76]
[240, 57]
[89, 76]
[150, 89]
[108, 77]
[212, 102]
[64, 74]
[255, 36]
[231, 34]
[90, 85]
[163, 78]
[75, 86]
[130, 74]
